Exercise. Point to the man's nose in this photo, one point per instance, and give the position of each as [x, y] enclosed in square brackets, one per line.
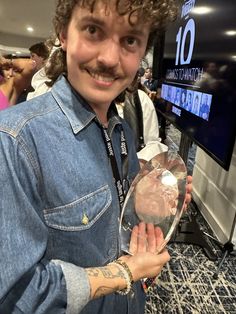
[109, 54]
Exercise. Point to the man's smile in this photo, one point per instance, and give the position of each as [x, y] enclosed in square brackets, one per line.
[102, 76]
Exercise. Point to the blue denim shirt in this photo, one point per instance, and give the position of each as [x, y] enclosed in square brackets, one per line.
[54, 171]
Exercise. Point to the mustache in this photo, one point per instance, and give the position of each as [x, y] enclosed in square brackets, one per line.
[101, 70]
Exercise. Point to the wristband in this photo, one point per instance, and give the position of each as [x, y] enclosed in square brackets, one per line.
[128, 276]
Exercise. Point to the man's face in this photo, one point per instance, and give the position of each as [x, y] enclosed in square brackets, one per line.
[148, 74]
[39, 60]
[24, 70]
[189, 98]
[103, 52]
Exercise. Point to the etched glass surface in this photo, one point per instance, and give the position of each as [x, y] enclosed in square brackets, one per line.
[156, 196]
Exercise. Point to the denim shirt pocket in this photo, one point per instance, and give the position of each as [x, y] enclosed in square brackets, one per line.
[82, 213]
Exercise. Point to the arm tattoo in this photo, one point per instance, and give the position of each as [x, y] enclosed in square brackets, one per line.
[108, 274]
[102, 291]
[93, 272]
[105, 272]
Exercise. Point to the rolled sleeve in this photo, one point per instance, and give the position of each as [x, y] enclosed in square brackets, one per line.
[75, 277]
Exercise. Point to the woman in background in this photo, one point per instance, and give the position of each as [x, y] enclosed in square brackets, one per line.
[15, 78]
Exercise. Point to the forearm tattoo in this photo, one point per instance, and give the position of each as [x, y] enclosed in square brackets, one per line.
[103, 290]
[105, 273]
[93, 272]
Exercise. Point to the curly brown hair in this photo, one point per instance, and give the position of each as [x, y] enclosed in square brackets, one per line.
[156, 12]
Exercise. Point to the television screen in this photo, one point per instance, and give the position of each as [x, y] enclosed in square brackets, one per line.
[197, 75]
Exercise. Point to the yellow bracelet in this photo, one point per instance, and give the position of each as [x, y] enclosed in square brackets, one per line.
[128, 276]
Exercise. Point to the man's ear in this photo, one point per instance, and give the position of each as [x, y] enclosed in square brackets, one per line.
[63, 40]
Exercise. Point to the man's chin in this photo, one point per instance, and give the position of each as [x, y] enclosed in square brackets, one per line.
[101, 97]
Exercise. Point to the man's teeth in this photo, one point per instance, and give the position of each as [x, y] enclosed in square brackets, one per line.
[100, 77]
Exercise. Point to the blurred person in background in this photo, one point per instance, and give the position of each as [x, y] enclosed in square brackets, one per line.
[16, 76]
[150, 83]
[137, 108]
[39, 52]
[6, 83]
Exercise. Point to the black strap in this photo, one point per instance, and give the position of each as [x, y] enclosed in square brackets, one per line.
[119, 182]
[133, 114]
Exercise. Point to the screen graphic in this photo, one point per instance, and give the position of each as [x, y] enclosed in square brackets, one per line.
[197, 76]
[194, 102]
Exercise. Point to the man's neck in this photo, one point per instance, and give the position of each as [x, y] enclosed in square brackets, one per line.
[102, 116]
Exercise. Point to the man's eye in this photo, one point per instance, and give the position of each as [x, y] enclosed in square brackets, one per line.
[131, 41]
[92, 29]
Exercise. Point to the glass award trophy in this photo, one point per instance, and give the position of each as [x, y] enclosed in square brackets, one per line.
[155, 196]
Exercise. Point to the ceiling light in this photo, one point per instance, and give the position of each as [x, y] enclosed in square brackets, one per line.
[201, 10]
[30, 29]
[230, 33]
[234, 58]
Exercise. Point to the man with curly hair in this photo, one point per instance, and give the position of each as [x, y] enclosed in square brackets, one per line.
[62, 177]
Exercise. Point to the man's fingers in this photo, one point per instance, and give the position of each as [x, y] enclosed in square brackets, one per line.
[159, 237]
[142, 237]
[134, 241]
[151, 238]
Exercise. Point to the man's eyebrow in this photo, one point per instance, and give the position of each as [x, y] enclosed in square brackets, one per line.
[100, 22]
[137, 32]
[92, 19]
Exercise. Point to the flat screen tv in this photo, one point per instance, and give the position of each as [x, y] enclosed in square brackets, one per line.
[195, 65]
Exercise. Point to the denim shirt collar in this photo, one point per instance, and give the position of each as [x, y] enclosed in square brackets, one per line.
[76, 109]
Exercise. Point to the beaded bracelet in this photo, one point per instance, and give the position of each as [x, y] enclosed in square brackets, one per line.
[128, 276]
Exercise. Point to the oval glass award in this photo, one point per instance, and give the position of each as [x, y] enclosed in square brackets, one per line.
[155, 196]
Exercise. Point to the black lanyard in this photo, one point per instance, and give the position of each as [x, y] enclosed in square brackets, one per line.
[119, 182]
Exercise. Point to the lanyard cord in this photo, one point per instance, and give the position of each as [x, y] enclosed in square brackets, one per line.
[119, 182]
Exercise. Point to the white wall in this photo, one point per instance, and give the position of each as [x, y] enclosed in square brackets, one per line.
[214, 191]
